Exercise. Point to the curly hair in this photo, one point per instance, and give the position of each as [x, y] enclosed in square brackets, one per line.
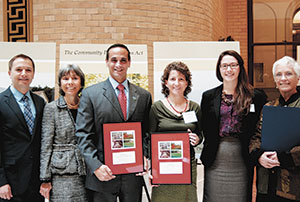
[183, 69]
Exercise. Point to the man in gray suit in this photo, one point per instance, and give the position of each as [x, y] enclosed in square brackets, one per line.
[99, 104]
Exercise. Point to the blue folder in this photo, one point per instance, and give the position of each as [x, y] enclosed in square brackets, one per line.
[280, 128]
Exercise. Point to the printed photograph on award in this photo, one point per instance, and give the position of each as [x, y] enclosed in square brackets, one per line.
[170, 158]
[170, 149]
[122, 139]
[123, 150]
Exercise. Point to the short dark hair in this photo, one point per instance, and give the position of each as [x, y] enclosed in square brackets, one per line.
[115, 46]
[11, 61]
[66, 70]
[183, 69]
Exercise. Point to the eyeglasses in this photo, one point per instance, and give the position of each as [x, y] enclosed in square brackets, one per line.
[287, 75]
[231, 65]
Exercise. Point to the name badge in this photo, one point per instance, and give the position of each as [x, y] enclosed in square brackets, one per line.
[252, 108]
[189, 117]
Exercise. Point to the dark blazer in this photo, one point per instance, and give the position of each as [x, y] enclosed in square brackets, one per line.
[210, 106]
[19, 150]
[99, 104]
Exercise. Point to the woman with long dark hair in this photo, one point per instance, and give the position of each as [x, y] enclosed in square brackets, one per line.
[229, 116]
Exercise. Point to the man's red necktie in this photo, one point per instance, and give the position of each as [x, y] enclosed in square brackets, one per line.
[122, 100]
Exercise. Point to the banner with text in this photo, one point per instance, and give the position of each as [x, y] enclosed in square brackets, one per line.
[91, 59]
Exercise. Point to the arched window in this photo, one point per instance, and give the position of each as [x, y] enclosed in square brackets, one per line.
[273, 33]
[296, 35]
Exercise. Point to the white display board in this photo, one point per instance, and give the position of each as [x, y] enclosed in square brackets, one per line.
[43, 55]
[91, 59]
[200, 57]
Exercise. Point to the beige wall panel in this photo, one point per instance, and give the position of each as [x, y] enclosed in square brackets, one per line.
[201, 58]
[43, 54]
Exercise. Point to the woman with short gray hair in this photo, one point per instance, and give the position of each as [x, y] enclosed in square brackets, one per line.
[289, 62]
[278, 173]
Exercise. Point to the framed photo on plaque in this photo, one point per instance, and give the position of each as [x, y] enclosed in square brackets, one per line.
[170, 158]
[123, 150]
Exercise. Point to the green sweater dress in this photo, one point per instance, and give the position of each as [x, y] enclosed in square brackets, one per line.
[163, 120]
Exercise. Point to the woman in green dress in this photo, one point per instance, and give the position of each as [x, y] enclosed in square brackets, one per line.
[167, 115]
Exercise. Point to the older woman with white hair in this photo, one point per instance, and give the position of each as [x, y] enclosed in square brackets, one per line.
[278, 174]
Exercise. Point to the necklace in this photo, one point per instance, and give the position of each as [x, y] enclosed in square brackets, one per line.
[186, 105]
[228, 101]
[71, 106]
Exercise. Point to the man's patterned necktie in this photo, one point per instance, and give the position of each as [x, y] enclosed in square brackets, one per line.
[28, 114]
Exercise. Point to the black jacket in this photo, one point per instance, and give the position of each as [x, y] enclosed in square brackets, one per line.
[210, 106]
[19, 150]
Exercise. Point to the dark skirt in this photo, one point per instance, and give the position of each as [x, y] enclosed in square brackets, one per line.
[177, 193]
[226, 180]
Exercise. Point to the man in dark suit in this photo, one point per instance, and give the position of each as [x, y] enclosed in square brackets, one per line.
[20, 128]
[98, 105]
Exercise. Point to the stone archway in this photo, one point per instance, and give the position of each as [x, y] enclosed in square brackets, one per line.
[289, 15]
[296, 34]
